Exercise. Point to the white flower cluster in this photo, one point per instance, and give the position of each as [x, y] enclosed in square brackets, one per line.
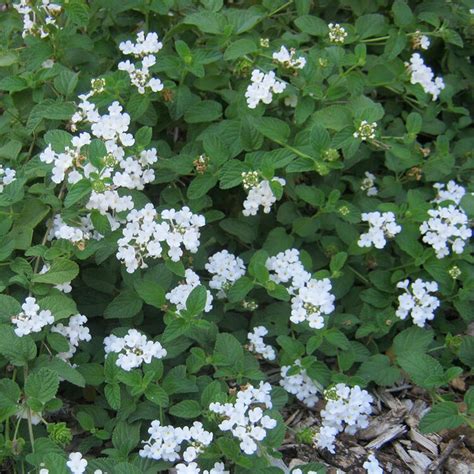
[64, 287]
[225, 269]
[368, 184]
[447, 228]
[146, 230]
[257, 345]
[261, 194]
[75, 234]
[31, 319]
[133, 349]
[311, 302]
[262, 88]
[75, 332]
[421, 74]
[116, 169]
[299, 384]
[347, 409]
[337, 33]
[366, 130]
[299, 471]
[312, 299]
[286, 267]
[165, 442]
[193, 468]
[288, 59]
[244, 418]
[417, 301]
[420, 41]
[179, 294]
[449, 192]
[372, 466]
[144, 49]
[7, 176]
[31, 20]
[382, 226]
[76, 463]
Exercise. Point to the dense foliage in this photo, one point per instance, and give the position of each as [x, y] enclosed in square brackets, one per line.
[212, 213]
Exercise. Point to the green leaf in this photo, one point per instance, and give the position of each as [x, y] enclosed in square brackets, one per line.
[402, 13]
[126, 305]
[58, 139]
[9, 396]
[157, 395]
[204, 111]
[125, 437]
[143, 136]
[61, 306]
[312, 25]
[78, 191]
[18, 350]
[337, 338]
[466, 351]
[442, 416]
[7, 58]
[239, 48]
[423, 369]
[66, 81]
[61, 271]
[272, 128]
[294, 348]
[188, 409]
[63, 369]
[240, 289]
[196, 301]
[112, 394]
[151, 293]
[9, 307]
[412, 340]
[338, 261]
[379, 370]
[228, 350]
[200, 185]
[42, 385]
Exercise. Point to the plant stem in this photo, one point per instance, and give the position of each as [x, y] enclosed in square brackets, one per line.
[28, 414]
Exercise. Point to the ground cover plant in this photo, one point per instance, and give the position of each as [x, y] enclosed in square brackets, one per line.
[215, 213]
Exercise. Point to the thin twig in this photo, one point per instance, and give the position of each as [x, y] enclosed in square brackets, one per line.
[452, 445]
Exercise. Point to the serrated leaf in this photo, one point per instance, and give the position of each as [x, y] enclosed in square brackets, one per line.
[188, 409]
[62, 270]
[442, 416]
[42, 385]
[126, 305]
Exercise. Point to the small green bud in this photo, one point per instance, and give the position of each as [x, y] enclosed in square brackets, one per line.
[59, 433]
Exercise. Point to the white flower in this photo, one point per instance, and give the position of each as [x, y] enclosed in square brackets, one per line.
[288, 59]
[262, 88]
[219, 468]
[417, 301]
[38, 25]
[257, 345]
[260, 195]
[145, 49]
[372, 465]
[146, 230]
[226, 269]
[7, 176]
[76, 463]
[133, 349]
[381, 226]
[423, 75]
[311, 302]
[447, 228]
[366, 130]
[347, 409]
[299, 384]
[180, 294]
[165, 442]
[286, 267]
[449, 192]
[75, 332]
[31, 319]
[337, 33]
[368, 184]
[244, 418]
